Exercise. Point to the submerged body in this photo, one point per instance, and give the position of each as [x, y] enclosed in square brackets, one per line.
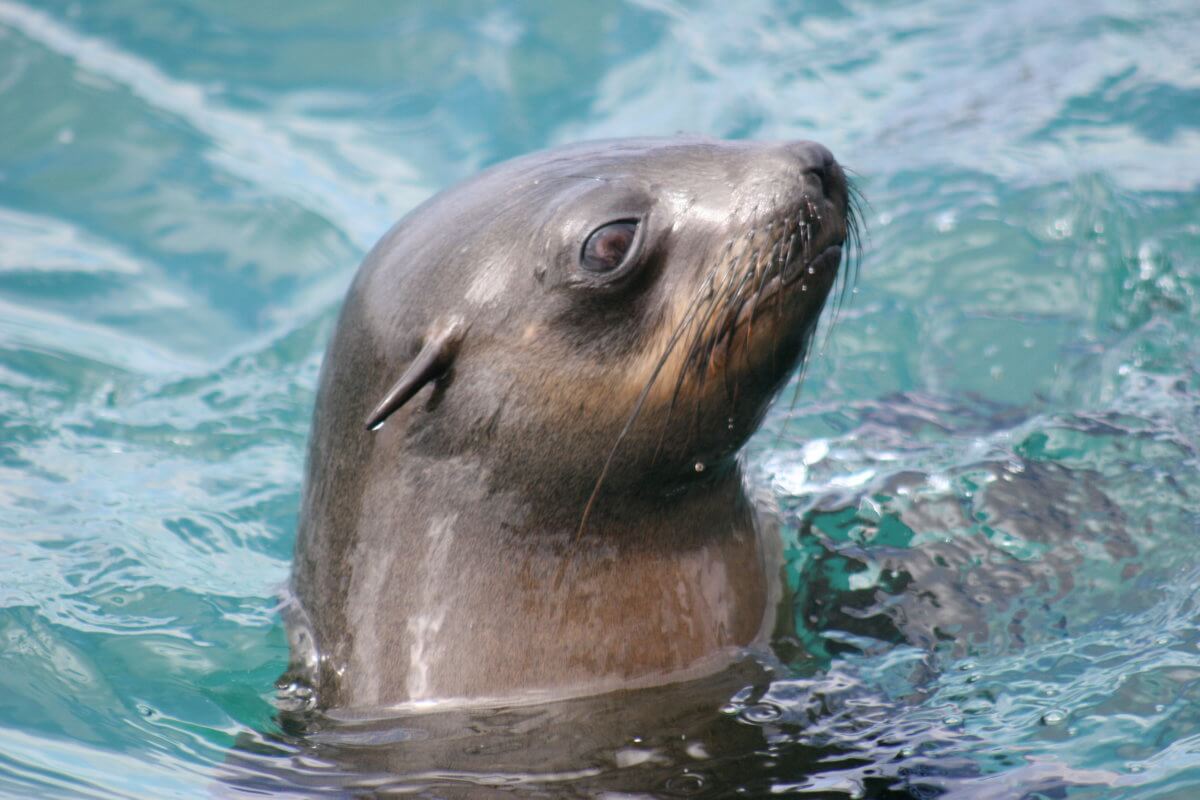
[547, 502]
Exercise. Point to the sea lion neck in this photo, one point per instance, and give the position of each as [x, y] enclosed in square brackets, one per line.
[556, 515]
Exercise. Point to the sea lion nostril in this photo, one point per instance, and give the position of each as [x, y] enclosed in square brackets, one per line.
[828, 174]
[821, 173]
[816, 160]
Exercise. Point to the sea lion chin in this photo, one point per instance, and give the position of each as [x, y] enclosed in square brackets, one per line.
[522, 479]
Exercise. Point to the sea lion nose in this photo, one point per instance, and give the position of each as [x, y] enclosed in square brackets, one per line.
[817, 161]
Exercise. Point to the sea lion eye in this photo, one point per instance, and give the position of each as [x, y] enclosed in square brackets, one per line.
[607, 246]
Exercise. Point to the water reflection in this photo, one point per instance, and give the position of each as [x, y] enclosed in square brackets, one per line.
[739, 733]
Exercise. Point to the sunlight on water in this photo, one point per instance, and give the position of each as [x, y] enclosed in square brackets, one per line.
[988, 479]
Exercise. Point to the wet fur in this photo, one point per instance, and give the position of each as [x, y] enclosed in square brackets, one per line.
[441, 557]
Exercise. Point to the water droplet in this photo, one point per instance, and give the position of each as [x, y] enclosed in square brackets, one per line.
[699, 466]
[1054, 717]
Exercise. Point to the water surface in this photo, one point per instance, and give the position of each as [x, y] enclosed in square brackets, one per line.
[988, 479]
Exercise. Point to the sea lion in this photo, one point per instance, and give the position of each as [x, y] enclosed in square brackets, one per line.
[521, 479]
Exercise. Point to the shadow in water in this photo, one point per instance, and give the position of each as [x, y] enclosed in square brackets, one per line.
[736, 734]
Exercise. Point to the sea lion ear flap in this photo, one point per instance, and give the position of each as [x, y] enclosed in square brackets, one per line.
[436, 356]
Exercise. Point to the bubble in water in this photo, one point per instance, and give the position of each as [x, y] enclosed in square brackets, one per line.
[1054, 717]
[761, 713]
[699, 466]
[952, 720]
[688, 783]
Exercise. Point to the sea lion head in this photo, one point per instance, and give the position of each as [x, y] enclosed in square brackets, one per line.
[624, 309]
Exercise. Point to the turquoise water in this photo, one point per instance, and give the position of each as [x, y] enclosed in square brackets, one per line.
[989, 478]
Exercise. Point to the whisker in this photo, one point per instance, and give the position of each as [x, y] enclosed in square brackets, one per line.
[708, 292]
[848, 278]
[704, 346]
[637, 410]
